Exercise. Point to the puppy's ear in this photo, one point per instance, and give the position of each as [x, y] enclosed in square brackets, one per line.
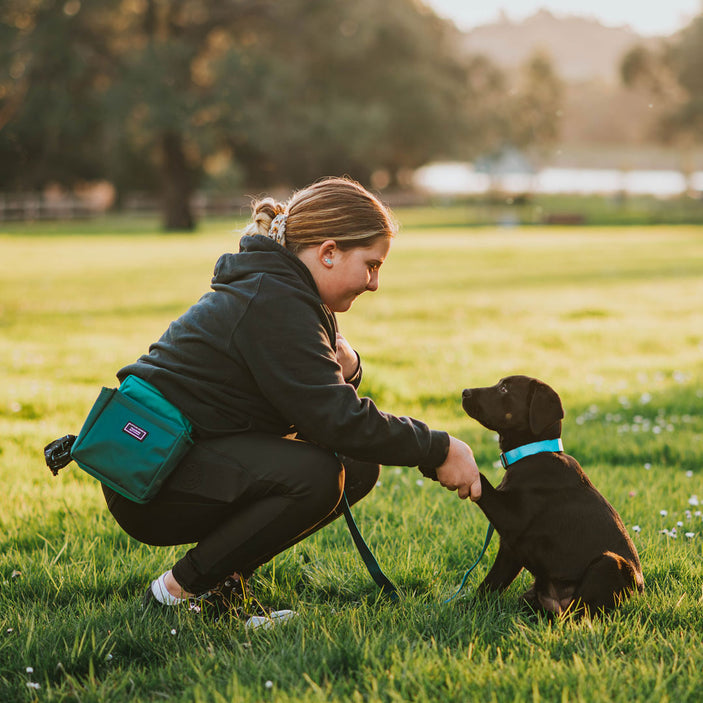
[545, 407]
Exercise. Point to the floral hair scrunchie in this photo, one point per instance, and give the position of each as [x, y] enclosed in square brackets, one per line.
[277, 230]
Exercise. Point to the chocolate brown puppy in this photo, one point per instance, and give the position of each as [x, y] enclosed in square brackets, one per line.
[551, 519]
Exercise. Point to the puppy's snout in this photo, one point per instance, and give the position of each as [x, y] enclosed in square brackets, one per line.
[466, 394]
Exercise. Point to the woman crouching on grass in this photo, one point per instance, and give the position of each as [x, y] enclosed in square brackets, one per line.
[269, 385]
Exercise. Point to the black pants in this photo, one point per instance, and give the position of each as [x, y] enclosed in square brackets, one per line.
[243, 499]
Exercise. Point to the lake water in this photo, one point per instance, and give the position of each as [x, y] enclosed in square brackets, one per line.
[462, 179]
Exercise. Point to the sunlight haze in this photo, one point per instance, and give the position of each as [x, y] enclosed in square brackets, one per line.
[653, 17]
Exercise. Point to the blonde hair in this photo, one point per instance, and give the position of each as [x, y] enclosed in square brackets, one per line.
[332, 208]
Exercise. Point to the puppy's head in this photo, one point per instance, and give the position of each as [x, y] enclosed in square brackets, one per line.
[517, 407]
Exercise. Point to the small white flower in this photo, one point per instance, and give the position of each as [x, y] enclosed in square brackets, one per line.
[648, 466]
[29, 670]
[268, 684]
[173, 632]
[663, 513]
[679, 524]
[690, 535]
[689, 474]
[693, 500]
[108, 657]
[378, 483]
[10, 629]
[31, 684]
[636, 528]
[419, 482]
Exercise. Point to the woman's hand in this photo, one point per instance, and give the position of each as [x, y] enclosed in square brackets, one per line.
[346, 357]
[459, 471]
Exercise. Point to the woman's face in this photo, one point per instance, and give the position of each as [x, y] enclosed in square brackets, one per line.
[342, 276]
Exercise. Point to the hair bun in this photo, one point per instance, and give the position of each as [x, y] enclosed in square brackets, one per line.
[263, 213]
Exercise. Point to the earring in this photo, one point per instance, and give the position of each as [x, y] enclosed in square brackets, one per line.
[328, 261]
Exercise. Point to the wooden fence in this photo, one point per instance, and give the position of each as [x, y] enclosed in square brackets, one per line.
[31, 206]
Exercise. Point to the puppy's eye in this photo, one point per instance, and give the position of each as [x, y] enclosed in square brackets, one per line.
[502, 389]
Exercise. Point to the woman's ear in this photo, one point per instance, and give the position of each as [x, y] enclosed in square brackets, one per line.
[326, 253]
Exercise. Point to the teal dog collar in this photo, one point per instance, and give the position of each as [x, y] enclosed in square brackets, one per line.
[547, 445]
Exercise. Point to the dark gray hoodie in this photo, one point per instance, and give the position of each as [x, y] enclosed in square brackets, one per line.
[257, 353]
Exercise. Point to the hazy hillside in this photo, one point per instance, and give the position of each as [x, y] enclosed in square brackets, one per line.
[603, 122]
[581, 48]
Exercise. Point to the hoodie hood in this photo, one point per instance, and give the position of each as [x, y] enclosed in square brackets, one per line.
[257, 255]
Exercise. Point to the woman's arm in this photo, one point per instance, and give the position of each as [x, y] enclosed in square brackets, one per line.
[349, 360]
[288, 347]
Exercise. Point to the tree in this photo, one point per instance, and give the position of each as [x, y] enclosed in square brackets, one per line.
[487, 113]
[109, 88]
[672, 75]
[537, 108]
[47, 98]
[519, 117]
[345, 88]
[151, 93]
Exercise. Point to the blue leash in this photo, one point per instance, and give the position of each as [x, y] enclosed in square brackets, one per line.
[384, 583]
[487, 541]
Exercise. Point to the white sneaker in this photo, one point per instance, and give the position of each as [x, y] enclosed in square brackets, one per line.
[268, 621]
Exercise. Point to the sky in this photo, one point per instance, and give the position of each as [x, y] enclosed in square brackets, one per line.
[646, 17]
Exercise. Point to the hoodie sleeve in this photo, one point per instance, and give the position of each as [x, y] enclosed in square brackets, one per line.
[285, 342]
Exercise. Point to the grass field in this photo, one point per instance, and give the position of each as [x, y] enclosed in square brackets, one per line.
[612, 318]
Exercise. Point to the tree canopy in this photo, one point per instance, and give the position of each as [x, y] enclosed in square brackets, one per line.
[161, 95]
[673, 74]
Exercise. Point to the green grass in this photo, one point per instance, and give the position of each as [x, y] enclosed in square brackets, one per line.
[612, 318]
[594, 210]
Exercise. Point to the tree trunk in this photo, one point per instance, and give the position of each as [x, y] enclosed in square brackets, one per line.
[177, 184]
